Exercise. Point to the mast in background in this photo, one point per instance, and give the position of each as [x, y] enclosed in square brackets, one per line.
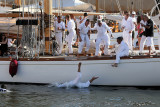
[47, 30]
[18, 2]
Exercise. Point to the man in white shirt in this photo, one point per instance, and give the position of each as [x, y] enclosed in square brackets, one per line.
[84, 33]
[78, 21]
[59, 28]
[123, 50]
[84, 18]
[134, 24]
[10, 43]
[71, 29]
[143, 38]
[102, 36]
[128, 27]
[76, 82]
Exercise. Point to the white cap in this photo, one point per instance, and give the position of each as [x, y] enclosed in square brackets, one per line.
[134, 12]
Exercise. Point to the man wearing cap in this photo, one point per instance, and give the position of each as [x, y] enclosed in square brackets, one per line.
[83, 33]
[102, 36]
[84, 18]
[59, 28]
[128, 27]
[134, 24]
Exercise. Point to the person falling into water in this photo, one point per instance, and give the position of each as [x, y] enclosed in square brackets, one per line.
[77, 81]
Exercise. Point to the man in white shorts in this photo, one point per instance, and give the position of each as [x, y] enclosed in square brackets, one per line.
[102, 36]
[128, 27]
[59, 28]
[149, 32]
[84, 33]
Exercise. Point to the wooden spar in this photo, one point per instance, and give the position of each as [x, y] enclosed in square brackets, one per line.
[7, 5]
[79, 13]
[14, 15]
[55, 13]
[48, 11]
[17, 2]
[97, 6]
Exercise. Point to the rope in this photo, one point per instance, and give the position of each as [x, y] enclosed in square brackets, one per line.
[142, 4]
[8, 26]
[154, 9]
[17, 38]
[157, 6]
[61, 7]
[119, 7]
[23, 8]
[5, 3]
[37, 33]
[43, 29]
[104, 6]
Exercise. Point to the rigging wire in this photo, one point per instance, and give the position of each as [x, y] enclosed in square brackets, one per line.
[43, 28]
[23, 8]
[17, 37]
[119, 7]
[49, 27]
[5, 3]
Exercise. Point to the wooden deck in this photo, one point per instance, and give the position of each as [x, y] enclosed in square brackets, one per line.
[80, 58]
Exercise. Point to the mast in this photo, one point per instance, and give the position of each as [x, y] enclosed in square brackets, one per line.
[97, 6]
[48, 12]
[17, 2]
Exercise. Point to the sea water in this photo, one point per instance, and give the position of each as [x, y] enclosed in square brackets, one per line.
[94, 96]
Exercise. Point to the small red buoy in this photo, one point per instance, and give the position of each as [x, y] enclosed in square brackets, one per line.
[13, 67]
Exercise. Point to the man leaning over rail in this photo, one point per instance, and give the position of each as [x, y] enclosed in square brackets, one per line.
[123, 50]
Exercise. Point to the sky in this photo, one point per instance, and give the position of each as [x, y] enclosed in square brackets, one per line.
[78, 2]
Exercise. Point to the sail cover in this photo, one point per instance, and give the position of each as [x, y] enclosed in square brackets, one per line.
[111, 6]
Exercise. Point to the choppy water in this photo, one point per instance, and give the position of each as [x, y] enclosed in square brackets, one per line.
[43, 96]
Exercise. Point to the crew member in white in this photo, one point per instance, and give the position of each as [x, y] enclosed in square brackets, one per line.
[84, 33]
[84, 18]
[71, 29]
[59, 28]
[134, 24]
[123, 50]
[76, 82]
[102, 36]
[128, 27]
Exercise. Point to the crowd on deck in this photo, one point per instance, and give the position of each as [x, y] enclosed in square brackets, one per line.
[143, 24]
[82, 30]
